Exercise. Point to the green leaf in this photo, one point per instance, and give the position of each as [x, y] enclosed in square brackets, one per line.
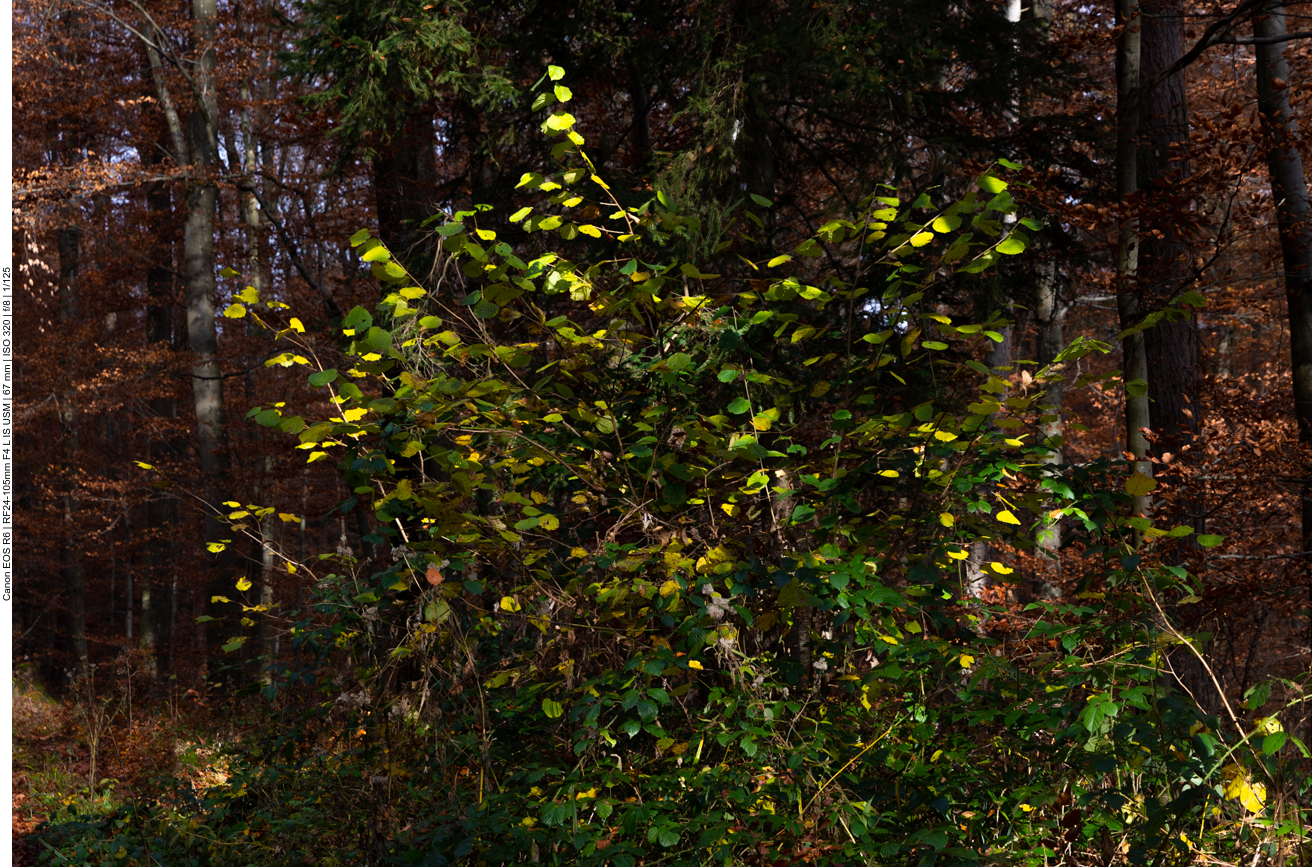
[1271, 744]
[679, 361]
[1015, 167]
[1136, 388]
[552, 708]
[323, 377]
[555, 73]
[1209, 541]
[380, 254]
[1012, 244]
[360, 237]
[762, 201]
[991, 184]
[563, 93]
[664, 200]
[739, 405]
[234, 644]
[729, 374]
[486, 310]
[358, 319]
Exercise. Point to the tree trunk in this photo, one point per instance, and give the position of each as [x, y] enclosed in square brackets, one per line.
[1165, 258]
[198, 265]
[1134, 361]
[1050, 319]
[69, 240]
[162, 507]
[1294, 223]
[404, 180]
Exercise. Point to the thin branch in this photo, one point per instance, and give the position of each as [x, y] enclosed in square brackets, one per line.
[293, 253]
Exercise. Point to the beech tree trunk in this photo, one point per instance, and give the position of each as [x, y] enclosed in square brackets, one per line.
[1134, 361]
[161, 310]
[1294, 223]
[1165, 257]
[198, 263]
[69, 239]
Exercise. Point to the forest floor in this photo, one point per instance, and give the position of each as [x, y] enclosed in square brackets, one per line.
[51, 757]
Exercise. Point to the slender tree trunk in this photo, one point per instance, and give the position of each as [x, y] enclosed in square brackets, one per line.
[198, 264]
[1294, 223]
[1165, 258]
[1134, 361]
[1050, 319]
[69, 239]
[161, 547]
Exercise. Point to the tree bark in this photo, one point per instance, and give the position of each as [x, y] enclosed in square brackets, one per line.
[161, 310]
[69, 239]
[1134, 362]
[1294, 223]
[1165, 258]
[198, 264]
[404, 181]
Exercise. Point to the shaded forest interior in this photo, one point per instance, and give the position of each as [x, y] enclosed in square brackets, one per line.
[215, 201]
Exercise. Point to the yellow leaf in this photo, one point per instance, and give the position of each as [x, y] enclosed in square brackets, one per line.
[578, 552]
[920, 239]
[590, 231]
[215, 547]
[947, 519]
[958, 555]
[1007, 517]
[243, 584]
[731, 509]
[1268, 725]
[694, 664]
[509, 604]
[1000, 569]
[295, 325]
[288, 518]
[354, 414]
[888, 474]
[966, 660]
[1139, 485]
[944, 436]
[669, 588]
[235, 311]
[1238, 787]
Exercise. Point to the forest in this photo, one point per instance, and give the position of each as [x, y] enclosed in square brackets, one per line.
[718, 432]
